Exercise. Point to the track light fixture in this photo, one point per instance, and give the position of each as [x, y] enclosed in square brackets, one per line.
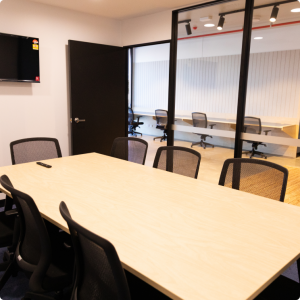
[188, 29]
[221, 23]
[274, 14]
[187, 26]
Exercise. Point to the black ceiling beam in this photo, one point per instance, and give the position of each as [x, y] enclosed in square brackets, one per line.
[257, 7]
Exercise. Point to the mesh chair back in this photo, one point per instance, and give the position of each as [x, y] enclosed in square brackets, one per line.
[199, 120]
[34, 149]
[161, 117]
[130, 116]
[34, 248]
[252, 125]
[257, 177]
[179, 160]
[131, 149]
[99, 274]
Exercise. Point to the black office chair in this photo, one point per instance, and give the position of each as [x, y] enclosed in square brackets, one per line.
[48, 266]
[99, 273]
[132, 125]
[200, 121]
[34, 149]
[253, 125]
[130, 149]
[179, 160]
[257, 177]
[22, 151]
[161, 123]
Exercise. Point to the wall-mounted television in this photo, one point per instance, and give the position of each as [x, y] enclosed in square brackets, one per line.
[19, 58]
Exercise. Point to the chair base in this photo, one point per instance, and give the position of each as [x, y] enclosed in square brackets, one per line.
[254, 152]
[162, 138]
[11, 270]
[202, 144]
[135, 133]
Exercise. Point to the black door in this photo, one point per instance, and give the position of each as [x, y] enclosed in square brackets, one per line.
[98, 85]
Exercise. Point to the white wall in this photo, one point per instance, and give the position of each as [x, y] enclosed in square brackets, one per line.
[41, 109]
[146, 29]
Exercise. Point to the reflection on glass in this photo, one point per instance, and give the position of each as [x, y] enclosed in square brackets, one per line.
[273, 93]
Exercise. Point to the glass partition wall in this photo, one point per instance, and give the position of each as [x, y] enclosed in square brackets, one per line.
[230, 81]
[150, 84]
[273, 94]
[207, 84]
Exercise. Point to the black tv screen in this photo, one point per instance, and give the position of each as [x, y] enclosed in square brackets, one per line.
[19, 58]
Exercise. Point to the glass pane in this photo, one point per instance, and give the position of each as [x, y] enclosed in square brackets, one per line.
[207, 82]
[150, 96]
[273, 93]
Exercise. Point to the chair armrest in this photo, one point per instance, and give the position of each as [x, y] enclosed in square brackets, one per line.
[12, 212]
[212, 125]
[266, 131]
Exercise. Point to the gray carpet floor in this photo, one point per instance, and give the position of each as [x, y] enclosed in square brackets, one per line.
[16, 287]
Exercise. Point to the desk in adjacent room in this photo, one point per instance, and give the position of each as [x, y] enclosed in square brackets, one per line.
[188, 238]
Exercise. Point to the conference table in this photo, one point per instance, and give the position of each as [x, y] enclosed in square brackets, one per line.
[187, 238]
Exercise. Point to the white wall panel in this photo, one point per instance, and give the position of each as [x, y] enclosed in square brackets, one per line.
[210, 85]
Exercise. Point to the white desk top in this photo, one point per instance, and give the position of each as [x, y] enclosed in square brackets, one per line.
[219, 120]
[190, 239]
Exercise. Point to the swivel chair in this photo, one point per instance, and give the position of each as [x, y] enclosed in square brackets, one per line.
[99, 273]
[130, 149]
[132, 125]
[253, 125]
[161, 123]
[49, 267]
[179, 160]
[200, 121]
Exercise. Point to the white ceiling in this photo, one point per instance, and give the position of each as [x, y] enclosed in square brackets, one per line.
[119, 9]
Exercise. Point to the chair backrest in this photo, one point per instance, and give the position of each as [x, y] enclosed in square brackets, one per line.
[258, 177]
[179, 160]
[130, 116]
[99, 273]
[161, 117]
[252, 125]
[33, 252]
[199, 119]
[131, 149]
[34, 149]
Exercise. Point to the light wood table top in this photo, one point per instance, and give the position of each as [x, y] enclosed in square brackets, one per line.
[188, 238]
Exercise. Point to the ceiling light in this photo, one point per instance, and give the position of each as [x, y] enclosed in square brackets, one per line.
[205, 19]
[188, 29]
[258, 38]
[256, 19]
[209, 25]
[221, 23]
[296, 9]
[274, 14]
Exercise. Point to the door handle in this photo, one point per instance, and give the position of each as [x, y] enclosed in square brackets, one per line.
[77, 120]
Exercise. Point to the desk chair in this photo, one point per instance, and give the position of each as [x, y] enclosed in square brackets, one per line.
[161, 123]
[257, 177]
[253, 125]
[269, 180]
[99, 273]
[130, 149]
[34, 149]
[179, 160]
[132, 125]
[200, 121]
[49, 268]
[22, 151]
